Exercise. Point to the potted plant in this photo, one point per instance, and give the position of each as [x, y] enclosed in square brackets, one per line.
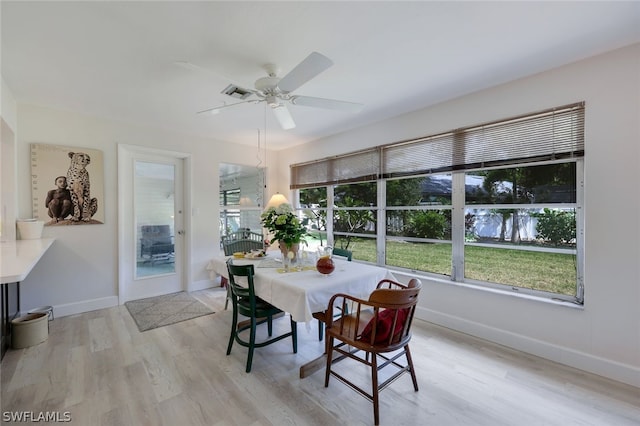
[285, 228]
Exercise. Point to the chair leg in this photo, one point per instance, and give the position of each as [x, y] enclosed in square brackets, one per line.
[252, 344]
[294, 335]
[320, 330]
[407, 353]
[234, 330]
[270, 325]
[374, 388]
[329, 350]
[224, 283]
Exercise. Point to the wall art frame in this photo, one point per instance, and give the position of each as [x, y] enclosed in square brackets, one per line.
[67, 185]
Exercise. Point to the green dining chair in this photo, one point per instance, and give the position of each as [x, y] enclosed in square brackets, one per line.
[245, 302]
[347, 254]
[243, 240]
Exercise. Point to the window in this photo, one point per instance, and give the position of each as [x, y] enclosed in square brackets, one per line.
[355, 219]
[497, 205]
[313, 208]
[521, 227]
[418, 223]
[229, 217]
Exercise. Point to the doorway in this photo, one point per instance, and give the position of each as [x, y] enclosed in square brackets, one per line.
[152, 222]
[241, 198]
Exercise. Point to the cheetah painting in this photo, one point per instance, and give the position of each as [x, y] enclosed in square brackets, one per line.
[67, 184]
[84, 207]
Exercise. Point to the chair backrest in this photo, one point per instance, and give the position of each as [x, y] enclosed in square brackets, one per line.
[343, 253]
[241, 241]
[243, 234]
[240, 291]
[394, 306]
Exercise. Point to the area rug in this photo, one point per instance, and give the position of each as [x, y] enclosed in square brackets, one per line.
[167, 309]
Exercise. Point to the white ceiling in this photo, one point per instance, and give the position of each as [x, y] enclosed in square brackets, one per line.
[118, 59]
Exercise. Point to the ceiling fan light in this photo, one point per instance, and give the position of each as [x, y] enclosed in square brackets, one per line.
[284, 117]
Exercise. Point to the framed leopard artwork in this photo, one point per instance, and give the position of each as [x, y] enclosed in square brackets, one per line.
[67, 185]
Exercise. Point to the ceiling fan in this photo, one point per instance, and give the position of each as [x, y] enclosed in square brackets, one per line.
[277, 92]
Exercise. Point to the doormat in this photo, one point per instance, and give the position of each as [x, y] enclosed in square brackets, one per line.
[154, 312]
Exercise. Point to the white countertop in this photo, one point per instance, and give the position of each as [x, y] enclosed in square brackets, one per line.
[19, 257]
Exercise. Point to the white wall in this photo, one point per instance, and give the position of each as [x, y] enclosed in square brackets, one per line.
[603, 336]
[8, 113]
[80, 271]
[8, 108]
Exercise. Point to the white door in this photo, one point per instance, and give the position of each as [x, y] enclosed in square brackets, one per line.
[151, 189]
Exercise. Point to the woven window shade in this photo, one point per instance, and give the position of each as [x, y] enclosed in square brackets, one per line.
[355, 167]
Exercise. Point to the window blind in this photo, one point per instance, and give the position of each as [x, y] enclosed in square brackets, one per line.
[547, 135]
[551, 134]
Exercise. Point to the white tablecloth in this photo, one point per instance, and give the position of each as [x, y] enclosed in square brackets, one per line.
[305, 292]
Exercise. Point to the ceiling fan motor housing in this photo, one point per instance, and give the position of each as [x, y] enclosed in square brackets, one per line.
[268, 85]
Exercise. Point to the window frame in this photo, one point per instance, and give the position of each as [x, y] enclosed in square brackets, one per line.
[458, 242]
[544, 137]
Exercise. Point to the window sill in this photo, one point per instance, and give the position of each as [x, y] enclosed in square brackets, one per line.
[501, 292]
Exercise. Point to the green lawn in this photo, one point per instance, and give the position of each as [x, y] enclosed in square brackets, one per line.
[552, 272]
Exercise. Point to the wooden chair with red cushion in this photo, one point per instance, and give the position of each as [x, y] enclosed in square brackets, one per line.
[377, 328]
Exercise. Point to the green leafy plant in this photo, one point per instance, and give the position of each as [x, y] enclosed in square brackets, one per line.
[428, 224]
[556, 226]
[284, 225]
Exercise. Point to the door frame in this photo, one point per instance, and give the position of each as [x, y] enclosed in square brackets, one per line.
[126, 154]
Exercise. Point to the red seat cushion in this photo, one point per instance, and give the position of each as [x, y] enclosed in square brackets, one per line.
[384, 325]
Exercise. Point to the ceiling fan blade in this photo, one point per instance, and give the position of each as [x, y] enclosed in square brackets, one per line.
[310, 67]
[191, 66]
[326, 103]
[284, 117]
[198, 69]
[216, 110]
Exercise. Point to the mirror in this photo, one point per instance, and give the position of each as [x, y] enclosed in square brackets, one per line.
[241, 197]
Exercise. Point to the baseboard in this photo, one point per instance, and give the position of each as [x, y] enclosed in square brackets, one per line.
[202, 285]
[84, 306]
[614, 370]
[108, 302]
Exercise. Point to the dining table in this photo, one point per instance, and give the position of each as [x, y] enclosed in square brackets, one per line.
[303, 291]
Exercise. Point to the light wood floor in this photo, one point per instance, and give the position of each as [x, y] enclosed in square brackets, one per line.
[101, 370]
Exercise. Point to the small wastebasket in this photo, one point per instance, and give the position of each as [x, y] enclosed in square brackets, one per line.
[45, 309]
[29, 330]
